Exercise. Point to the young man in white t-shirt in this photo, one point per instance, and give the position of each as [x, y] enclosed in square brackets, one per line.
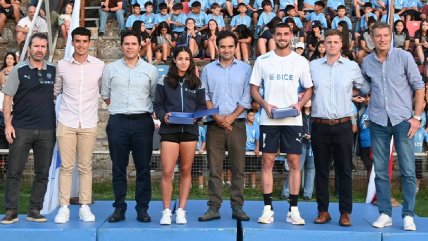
[281, 72]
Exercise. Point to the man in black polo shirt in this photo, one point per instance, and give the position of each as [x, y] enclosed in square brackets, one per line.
[30, 88]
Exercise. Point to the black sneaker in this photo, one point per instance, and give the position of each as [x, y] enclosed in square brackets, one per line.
[100, 34]
[143, 216]
[117, 216]
[35, 216]
[11, 216]
[211, 214]
[238, 213]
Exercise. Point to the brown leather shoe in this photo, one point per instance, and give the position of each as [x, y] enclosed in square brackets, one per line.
[345, 220]
[323, 217]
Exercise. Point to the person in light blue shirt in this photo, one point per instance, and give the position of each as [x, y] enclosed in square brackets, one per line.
[233, 5]
[341, 16]
[290, 12]
[136, 9]
[363, 25]
[318, 14]
[241, 18]
[259, 8]
[215, 9]
[266, 15]
[178, 19]
[149, 17]
[130, 126]
[334, 79]
[252, 163]
[396, 105]
[163, 15]
[420, 137]
[332, 6]
[227, 85]
[200, 17]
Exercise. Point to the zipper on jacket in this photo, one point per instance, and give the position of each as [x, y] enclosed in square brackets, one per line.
[182, 103]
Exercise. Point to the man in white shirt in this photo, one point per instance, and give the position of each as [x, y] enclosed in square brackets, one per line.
[281, 72]
[79, 80]
[23, 26]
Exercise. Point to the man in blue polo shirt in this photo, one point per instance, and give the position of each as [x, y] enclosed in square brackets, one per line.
[30, 88]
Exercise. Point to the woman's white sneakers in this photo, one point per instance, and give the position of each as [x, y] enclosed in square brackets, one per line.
[180, 217]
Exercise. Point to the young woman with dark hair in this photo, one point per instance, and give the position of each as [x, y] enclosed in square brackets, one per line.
[209, 38]
[180, 91]
[162, 42]
[146, 45]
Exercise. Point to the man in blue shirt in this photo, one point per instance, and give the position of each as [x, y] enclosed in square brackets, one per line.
[334, 78]
[396, 84]
[130, 126]
[227, 87]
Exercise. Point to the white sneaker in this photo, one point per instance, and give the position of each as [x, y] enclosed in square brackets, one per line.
[166, 217]
[383, 221]
[294, 217]
[85, 214]
[409, 225]
[267, 215]
[63, 214]
[180, 216]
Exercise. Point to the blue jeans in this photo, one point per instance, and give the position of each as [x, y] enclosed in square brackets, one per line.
[381, 137]
[306, 161]
[120, 17]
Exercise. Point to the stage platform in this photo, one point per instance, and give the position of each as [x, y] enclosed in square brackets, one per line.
[224, 229]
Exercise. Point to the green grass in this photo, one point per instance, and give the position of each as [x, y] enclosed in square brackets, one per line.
[103, 191]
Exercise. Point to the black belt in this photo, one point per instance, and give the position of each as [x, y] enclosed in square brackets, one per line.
[135, 116]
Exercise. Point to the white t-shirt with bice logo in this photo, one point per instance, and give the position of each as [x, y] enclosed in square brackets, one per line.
[40, 25]
[280, 78]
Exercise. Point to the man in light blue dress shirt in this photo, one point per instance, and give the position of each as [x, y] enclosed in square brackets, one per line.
[334, 79]
[396, 105]
[128, 88]
[227, 87]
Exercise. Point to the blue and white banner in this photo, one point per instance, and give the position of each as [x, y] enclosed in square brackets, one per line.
[51, 197]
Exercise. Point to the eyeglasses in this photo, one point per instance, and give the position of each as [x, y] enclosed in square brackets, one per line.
[39, 74]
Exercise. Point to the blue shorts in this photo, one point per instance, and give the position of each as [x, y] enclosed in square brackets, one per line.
[288, 139]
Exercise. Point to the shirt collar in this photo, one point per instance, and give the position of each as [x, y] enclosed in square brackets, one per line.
[390, 51]
[340, 60]
[44, 67]
[217, 61]
[140, 61]
[72, 60]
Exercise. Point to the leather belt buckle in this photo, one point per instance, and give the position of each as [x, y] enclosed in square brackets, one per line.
[331, 122]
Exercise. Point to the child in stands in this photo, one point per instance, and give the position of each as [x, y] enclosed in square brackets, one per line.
[162, 42]
[200, 17]
[341, 16]
[216, 15]
[245, 40]
[209, 38]
[241, 18]
[64, 20]
[290, 12]
[136, 15]
[318, 14]
[146, 45]
[149, 17]
[267, 15]
[178, 19]
[163, 15]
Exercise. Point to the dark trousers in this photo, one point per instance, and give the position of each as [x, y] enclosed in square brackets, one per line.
[217, 141]
[131, 133]
[333, 141]
[42, 142]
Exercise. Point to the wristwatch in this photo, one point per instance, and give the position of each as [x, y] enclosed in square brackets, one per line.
[417, 117]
